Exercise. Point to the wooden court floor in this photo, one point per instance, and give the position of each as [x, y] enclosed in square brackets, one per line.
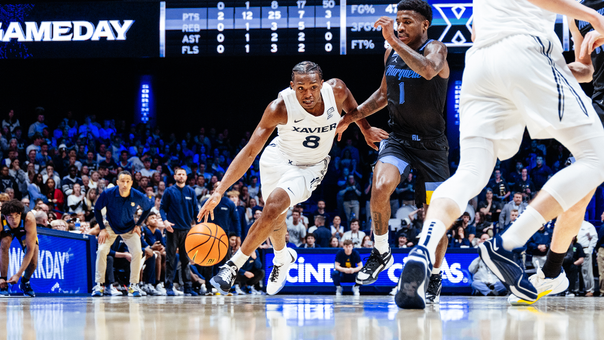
[296, 317]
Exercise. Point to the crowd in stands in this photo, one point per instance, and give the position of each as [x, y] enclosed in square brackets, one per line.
[59, 168]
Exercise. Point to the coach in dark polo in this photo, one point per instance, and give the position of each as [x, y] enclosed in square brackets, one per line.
[178, 209]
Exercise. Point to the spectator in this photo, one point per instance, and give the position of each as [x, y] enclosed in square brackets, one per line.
[310, 241]
[55, 197]
[501, 191]
[88, 130]
[367, 243]
[459, 239]
[403, 242]
[288, 244]
[34, 190]
[588, 238]
[41, 219]
[250, 275]
[351, 193]
[322, 234]
[484, 282]
[110, 164]
[36, 142]
[347, 265]
[334, 242]
[513, 216]
[75, 201]
[573, 259]
[538, 245]
[147, 171]
[470, 230]
[296, 229]
[20, 177]
[525, 186]
[482, 225]
[489, 207]
[152, 235]
[515, 204]
[8, 181]
[321, 211]
[234, 197]
[70, 180]
[256, 217]
[253, 189]
[337, 229]
[354, 234]
[91, 161]
[10, 122]
[540, 174]
[89, 203]
[300, 209]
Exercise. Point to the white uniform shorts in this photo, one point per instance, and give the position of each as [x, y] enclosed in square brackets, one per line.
[523, 81]
[299, 181]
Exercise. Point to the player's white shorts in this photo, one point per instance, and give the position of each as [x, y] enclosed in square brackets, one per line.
[276, 171]
[521, 81]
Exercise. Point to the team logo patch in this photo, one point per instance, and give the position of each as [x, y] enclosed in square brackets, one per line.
[330, 112]
[132, 203]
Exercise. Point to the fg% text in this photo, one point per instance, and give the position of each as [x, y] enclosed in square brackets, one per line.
[362, 44]
[363, 9]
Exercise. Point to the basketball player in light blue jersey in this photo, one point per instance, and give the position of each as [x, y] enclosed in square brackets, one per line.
[292, 165]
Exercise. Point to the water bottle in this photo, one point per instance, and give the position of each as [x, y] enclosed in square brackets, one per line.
[77, 224]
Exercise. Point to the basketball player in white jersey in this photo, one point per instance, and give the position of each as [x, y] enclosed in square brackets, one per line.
[515, 77]
[292, 165]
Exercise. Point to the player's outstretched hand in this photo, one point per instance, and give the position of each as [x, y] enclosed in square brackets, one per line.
[387, 25]
[342, 126]
[208, 207]
[591, 41]
[374, 135]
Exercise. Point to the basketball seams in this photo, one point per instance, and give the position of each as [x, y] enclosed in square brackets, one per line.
[211, 232]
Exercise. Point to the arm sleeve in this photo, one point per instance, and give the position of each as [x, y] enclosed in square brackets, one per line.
[164, 205]
[100, 204]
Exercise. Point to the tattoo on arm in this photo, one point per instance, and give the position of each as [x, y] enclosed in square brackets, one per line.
[381, 228]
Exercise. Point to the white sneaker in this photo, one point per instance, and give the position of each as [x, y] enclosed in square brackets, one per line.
[177, 292]
[544, 287]
[276, 280]
[160, 289]
[239, 291]
[114, 291]
[339, 290]
[356, 290]
[98, 290]
[394, 290]
[140, 288]
[134, 290]
[253, 291]
[150, 290]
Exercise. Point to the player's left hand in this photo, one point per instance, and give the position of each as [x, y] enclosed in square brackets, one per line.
[14, 279]
[387, 24]
[591, 41]
[208, 207]
[374, 135]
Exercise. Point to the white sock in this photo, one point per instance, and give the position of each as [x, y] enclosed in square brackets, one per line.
[522, 229]
[281, 256]
[432, 232]
[436, 271]
[381, 243]
[239, 258]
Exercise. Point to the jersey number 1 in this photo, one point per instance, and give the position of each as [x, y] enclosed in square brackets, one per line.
[311, 142]
[401, 99]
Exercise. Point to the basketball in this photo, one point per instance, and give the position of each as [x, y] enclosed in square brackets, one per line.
[206, 244]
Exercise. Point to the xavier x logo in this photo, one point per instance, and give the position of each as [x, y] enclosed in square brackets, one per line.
[458, 21]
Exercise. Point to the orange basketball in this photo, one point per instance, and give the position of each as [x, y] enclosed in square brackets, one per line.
[206, 244]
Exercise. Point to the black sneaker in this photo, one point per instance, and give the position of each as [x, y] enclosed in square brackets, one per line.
[26, 288]
[376, 263]
[225, 279]
[434, 287]
[414, 280]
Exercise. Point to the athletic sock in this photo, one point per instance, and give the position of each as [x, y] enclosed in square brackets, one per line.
[381, 243]
[522, 229]
[282, 256]
[435, 271]
[432, 232]
[553, 263]
[239, 258]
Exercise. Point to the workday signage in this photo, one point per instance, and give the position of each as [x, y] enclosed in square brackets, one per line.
[63, 265]
[313, 270]
[79, 29]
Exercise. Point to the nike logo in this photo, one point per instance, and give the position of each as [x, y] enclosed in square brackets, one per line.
[288, 188]
[298, 121]
[495, 247]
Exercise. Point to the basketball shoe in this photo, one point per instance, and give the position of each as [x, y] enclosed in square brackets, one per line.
[376, 263]
[434, 288]
[545, 286]
[134, 290]
[501, 263]
[225, 279]
[276, 280]
[4, 292]
[98, 290]
[26, 288]
[414, 280]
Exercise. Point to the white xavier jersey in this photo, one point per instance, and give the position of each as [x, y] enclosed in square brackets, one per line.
[306, 139]
[498, 19]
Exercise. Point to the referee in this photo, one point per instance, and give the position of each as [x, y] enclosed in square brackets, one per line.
[178, 209]
[121, 202]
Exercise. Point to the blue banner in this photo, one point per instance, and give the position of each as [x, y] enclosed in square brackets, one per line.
[313, 270]
[63, 265]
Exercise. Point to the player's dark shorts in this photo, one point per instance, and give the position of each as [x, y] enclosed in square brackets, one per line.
[427, 156]
[18, 233]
